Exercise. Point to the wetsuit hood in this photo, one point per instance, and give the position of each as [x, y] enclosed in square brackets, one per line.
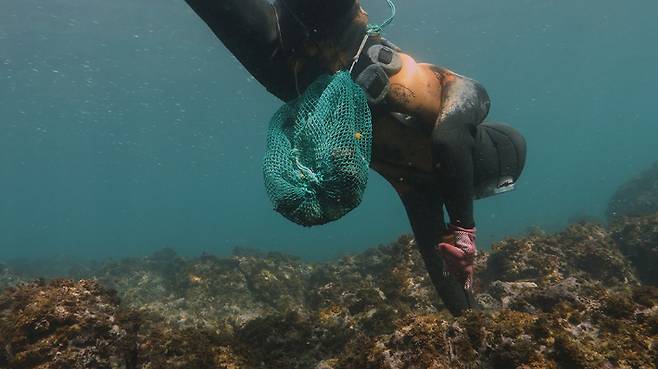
[499, 158]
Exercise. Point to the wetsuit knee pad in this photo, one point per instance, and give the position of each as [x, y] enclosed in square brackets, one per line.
[374, 82]
[499, 158]
[385, 57]
[384, 61]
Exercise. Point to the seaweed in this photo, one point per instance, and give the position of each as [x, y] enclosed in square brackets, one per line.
[565, 300]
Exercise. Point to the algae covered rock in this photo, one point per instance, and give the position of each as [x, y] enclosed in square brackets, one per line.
[290, 340]
[63, 324]
[637, 238]
[616, 330]
[392, 275]
[637, 197]
[583, 250]
[212, 291]
[145, 279]
[418, 341]
[279, 281]
[164, 345]
[564, 300]
[208, 291]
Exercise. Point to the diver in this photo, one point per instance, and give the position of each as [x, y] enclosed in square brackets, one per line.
[429, 141]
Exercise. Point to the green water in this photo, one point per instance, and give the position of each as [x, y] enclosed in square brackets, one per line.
[125, 126]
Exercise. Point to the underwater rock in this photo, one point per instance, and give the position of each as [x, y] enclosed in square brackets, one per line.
[152, 277]
[62, 325]
[584, 250]
[418, 341]
[637, 238]
[279, 281]
[209, 291]
[212, 291]
[66, 324]
[508, 291]
[167, 346]
[637, 197]
[79, 325]
[564, 300]
[290, 340]
[392, 275]
[615, 331]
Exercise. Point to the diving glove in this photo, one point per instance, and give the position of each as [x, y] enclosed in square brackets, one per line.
[459, 254]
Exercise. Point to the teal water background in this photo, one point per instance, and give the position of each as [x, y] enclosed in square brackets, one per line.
[125, 126]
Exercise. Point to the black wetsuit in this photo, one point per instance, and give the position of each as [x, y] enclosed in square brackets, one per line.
[281, 45]
[268, 38]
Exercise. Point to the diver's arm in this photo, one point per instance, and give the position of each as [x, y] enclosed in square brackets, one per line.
[452, 148]
[425, 211]
[464, 105]
[450, 106]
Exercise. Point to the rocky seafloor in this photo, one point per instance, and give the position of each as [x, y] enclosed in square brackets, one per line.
[585, 297]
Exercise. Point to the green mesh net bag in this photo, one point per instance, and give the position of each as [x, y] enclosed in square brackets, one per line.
[318, 152]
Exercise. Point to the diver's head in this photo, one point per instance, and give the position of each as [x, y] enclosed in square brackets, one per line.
[499, 157]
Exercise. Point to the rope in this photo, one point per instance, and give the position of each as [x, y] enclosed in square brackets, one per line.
[303, 169]
[372, 30]
[355, 59]
[376, 29]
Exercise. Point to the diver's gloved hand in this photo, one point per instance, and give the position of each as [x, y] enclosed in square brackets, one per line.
[459, 254]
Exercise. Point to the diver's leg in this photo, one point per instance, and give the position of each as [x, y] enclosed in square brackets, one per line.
[425, 211]
[318, 13]
[246, 27]
[250, 31]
